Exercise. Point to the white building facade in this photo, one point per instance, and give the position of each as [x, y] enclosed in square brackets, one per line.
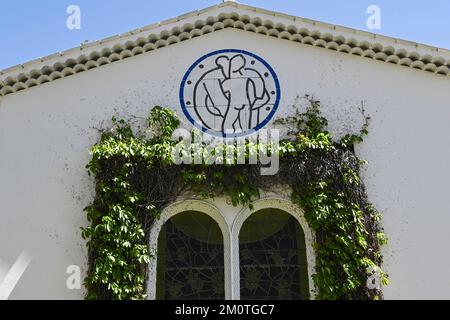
[51, 108]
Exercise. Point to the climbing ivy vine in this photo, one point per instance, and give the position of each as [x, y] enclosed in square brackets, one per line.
[136, 177]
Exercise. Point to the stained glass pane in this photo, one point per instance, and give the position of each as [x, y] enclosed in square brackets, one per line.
[273, 258]
[190, 259]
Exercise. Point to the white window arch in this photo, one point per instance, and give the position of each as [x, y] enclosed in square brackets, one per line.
[230, 232]
[166, 215]
[282, 205]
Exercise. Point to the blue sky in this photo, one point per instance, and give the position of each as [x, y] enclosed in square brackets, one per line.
[31, 29]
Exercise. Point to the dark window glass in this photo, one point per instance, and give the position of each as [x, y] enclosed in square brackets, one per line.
[190, 259]
[272, 256]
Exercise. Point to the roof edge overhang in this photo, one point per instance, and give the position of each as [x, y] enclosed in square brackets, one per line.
[219, 17]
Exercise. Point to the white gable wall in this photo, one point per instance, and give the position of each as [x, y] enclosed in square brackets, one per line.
[46, 132]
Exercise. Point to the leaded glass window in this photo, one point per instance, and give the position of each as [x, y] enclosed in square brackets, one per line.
[190, 259]
[273, 257]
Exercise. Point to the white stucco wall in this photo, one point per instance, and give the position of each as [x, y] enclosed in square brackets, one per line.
[46, 133]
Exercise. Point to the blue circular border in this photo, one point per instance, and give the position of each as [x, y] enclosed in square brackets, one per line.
[221, 134]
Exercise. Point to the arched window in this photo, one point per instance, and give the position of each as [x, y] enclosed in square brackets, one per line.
[190, 258]
[272, 256]
[262, 252]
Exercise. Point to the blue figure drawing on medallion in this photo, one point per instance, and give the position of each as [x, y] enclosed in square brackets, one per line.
[230, 93]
